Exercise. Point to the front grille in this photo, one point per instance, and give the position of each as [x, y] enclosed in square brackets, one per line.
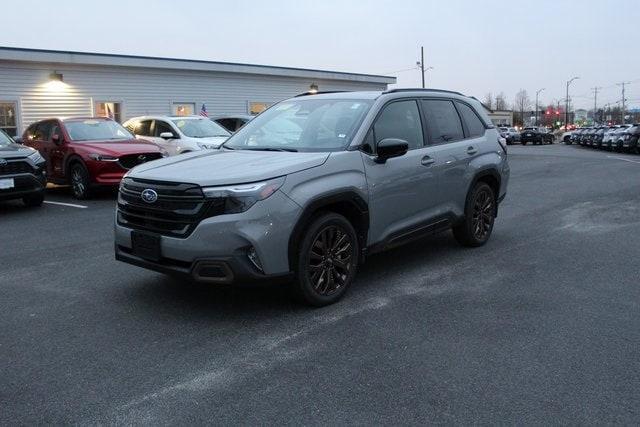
[13, 167]
[177, 211]
[130, 160]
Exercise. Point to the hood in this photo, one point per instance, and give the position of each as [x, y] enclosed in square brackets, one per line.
[13, 151]
[119, 148]
[222, 167]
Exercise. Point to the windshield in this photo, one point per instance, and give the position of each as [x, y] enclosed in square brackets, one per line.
[96, 130]
[200, 128]
[4, 139]
[303, 125]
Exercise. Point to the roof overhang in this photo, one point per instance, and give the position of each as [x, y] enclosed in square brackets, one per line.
[112, 60]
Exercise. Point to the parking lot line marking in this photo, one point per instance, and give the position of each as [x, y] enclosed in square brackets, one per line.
[66, 204]
[622, 158]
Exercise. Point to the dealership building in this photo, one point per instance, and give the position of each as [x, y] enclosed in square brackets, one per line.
[37, 84]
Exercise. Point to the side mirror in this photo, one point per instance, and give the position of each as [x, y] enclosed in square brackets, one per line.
[167, 135]
[391, 147]
[17, 139]
[56, 139]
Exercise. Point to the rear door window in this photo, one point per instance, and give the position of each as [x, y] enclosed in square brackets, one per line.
[443, 121]
[475, 128]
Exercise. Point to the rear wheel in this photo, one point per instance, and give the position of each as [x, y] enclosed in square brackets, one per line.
[479, 216]
[33, 200]
[327, 260]
[80, 181]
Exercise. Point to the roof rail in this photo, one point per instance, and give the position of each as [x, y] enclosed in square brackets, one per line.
[421, 90]
[320, 92]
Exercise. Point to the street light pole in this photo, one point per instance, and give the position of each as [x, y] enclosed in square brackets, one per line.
[566, 111]
[422, 63]
[537, 93]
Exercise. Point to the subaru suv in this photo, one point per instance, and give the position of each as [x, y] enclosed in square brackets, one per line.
[312, 185]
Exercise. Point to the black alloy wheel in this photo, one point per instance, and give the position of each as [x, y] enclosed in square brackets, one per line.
[330, 260]
[483, 214]
[480, 213]
[327, 261]
[79, 181]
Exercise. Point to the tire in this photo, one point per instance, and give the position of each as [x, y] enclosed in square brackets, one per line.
[479, 216]
[79, 180]
[524, 143]
[323, 274]
[33, 200]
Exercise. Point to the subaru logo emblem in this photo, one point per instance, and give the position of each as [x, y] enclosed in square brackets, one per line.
[3, 162]
[149, 195]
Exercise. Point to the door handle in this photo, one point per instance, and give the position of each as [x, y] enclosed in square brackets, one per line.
[427, 161]
[472, 150]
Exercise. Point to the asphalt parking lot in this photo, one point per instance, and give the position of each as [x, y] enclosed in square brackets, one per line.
[541, 325]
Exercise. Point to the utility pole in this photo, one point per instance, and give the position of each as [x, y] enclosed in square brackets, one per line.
[537, 93]
[422, 63]
[595, 102]
[566, 112]
[623, 100]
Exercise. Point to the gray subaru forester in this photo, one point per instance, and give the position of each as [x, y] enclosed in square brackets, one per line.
[314, 184]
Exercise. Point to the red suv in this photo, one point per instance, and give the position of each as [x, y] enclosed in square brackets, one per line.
[88, 152]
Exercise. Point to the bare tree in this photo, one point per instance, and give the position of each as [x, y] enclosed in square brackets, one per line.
[488, 100]
[521, 103]
[501, 102]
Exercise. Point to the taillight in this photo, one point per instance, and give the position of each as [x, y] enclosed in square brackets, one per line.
[503, 143]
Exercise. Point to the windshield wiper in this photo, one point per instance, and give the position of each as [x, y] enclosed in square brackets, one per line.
[290, 150]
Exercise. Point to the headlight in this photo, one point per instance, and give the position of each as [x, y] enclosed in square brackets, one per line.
[103, 158]
[239, 198]
[36, 158]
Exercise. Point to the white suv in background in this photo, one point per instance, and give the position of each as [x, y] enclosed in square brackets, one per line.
[178, 134]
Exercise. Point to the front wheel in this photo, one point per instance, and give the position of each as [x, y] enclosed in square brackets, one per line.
[479, 216]
[80, 181]
[327, 260]
[524, 143]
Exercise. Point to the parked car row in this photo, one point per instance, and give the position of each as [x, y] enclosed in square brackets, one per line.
[616, 138]
[532, 134]
[90, 152]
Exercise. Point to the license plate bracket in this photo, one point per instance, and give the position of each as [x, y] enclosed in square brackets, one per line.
[146, 245]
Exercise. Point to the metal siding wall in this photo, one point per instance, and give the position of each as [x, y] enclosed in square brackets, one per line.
[146, 91]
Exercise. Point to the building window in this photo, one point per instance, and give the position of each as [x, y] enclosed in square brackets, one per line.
[256, 108]
[8, 122]
[183, 109]
[109, 109]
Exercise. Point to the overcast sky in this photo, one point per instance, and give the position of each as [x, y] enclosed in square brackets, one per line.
[475, 46]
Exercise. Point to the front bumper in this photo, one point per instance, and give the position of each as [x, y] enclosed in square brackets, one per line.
[224, 240]
[24, 185]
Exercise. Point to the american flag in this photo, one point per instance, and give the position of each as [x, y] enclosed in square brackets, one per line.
[203, 111]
